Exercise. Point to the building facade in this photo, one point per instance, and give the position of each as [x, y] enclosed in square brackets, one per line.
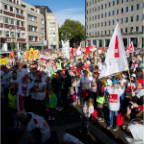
[101, 17]
[12, 25]
[23, 26]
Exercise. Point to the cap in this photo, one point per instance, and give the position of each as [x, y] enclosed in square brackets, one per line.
[133, 75]
[141, 81]
[78, 70]
[115, 81]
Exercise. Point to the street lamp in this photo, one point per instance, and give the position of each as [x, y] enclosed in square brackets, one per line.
[66, 34]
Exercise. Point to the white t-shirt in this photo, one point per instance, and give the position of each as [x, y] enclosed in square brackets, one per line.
[114, 98]
[39, 122]
[39, 95]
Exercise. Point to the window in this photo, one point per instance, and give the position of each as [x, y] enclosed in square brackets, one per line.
[11, 9]
[142, 28]
[90, 34]
[98, 8]
[101, 24]
[105, 6]
[50, 32]
[89, 18]
[32, 18]
[98, 25]
[109, 32]
[12, 21]
[131, 18]
[113, 12]
[98, 16]
[143, 17]
[101, 6]
[23, 35]
[7, 33]
[113, 3]
[89, 26]
[126, 0]
[113, 22]
[1, 19]
[89, 10]
[95, 9]
[101, 15]
[143, 5]
[12, 34]
[100, 43]
[5, 7]
[92, 10]
[42, 21]
[117, 12]
[53, 32]
[92, 1]
[107, 41]
[138, 6]
[126, 30]
[105, 14]
[51, 38]
[95, 1]
[137, 29]
[95, 25]
[22, 24]
[95, 17]
[32, 28]
[131, 29]
[105, 23]
[121, 1]
[1, 34]
[22, 12]
[126, 9]
[94, 42]
[105, 32]
[109, 14]
[54, 39]
[122, 10]
[117, 2]
[121, 30]
[6, 20]
[137, 18]
[109, 23]
[126, 19]
[132, 8]
[17, 11]
[109, 4]
[121, 20]
[92, 18]
[18, 23]
[87, 4]
[117, 20]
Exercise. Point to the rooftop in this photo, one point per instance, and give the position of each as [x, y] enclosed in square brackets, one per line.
[48, 10]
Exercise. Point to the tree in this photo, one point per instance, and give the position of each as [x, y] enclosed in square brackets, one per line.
[75, 28]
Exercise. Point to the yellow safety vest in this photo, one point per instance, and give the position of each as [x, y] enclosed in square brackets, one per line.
[100, 99]
[60, 67]
[12, 100]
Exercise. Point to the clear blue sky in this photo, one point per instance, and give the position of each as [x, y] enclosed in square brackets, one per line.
[64, 9]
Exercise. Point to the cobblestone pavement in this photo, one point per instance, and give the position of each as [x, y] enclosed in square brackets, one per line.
[65, 122]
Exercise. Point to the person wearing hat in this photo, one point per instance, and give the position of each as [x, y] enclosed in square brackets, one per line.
[114, 103]
[36, 127]
[39, 93]
[24, 90]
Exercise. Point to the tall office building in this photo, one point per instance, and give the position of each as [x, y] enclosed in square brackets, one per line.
[101, 17]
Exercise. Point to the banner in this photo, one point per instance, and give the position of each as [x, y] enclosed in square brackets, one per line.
[65, 49]
[32, 54]
[115, 58]
[3, 61]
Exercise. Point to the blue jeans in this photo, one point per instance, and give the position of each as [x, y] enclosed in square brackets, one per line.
[60, 101]
[78, 92]
[112, 115]
[52, 112]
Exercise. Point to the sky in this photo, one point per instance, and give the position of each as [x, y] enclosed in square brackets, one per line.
[64, 9]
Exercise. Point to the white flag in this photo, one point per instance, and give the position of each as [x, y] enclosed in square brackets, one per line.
[65, 49]
[79, 50]
[115, 58]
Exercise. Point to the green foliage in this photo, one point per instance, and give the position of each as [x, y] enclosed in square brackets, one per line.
[75, 28]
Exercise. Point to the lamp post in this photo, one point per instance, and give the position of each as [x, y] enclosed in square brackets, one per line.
[66, 34]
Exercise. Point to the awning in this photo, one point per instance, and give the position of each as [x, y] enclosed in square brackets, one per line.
[37, 44]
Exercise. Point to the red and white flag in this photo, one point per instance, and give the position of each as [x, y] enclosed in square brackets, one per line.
[130, 48]
[138, 51]
[115, 58]
[79, 50]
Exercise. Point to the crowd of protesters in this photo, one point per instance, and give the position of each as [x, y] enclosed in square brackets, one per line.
[35, 88]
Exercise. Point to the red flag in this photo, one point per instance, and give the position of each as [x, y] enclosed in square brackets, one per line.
[87, 49]
[116, 53]
[130, 48]
[103, 49]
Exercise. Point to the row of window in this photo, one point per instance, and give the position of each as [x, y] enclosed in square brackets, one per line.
[32, 18]
[33, 38]
[100, 43]
[14, 1]
[111, 31]
[32, 28]
[11, 21]
[127, 9]
[113, 22]
[11, 34]
[11, 9]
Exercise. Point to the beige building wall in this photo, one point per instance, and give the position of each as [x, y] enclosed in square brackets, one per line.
[39, 24]
[97, 31]
[52, 31]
